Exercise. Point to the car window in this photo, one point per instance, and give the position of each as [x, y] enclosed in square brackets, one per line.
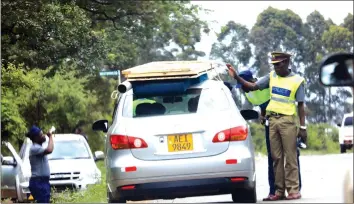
[192, 101]
[115, 110]
[348, 121]
[69, 149]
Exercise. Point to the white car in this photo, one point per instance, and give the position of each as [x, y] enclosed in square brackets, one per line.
[346, 133]
[72, 166]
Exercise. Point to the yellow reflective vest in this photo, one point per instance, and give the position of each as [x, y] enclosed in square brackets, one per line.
[258, 97]
[282, 93]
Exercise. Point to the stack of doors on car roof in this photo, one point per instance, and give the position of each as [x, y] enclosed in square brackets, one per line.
[164, 77]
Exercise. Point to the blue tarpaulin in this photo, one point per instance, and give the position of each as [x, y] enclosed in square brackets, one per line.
[165, 87]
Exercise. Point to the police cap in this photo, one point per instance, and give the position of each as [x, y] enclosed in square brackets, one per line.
[279, 57]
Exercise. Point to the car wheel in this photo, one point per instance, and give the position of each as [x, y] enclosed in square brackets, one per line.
[244, 196]
[343, 149]
[111, 199]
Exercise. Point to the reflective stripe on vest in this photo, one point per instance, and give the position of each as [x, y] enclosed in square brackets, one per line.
[282, 100]
[258, 97]
[282, 92]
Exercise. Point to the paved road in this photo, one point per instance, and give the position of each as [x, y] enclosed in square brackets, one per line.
[322, 178]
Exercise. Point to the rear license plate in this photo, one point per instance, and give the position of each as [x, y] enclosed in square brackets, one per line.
[179, 143]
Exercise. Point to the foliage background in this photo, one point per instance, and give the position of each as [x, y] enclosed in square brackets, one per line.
[52, 52]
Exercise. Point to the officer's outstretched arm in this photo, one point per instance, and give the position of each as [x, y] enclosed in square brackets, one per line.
[50, 146]
[250, 85]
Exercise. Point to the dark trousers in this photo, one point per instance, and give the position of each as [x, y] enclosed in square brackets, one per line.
[40, 189]
[271, 178]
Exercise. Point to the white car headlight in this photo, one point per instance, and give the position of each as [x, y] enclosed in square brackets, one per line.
[92, 177]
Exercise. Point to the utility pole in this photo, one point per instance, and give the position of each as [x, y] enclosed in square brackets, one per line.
[330, 107]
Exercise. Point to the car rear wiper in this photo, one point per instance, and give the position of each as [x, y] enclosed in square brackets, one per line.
[60, 158]
[81, 158]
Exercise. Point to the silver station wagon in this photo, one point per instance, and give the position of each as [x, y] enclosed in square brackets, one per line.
[166, 146]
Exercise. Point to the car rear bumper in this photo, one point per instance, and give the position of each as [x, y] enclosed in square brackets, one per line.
[144, 170]
[183, 188]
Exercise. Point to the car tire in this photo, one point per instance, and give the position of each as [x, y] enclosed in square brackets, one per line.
[245, 196]
[343, 149]
[111, 199]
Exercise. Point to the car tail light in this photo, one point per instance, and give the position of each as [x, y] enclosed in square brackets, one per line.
[127, 142]
[233, 134]
[238, 179]
[231, 161]
[128, 187]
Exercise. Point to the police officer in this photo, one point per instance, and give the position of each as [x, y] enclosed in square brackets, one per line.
[79, 131]
[261, 98]
[39, 182]
[286, 88]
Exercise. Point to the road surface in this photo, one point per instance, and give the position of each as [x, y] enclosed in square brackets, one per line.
[322, 181]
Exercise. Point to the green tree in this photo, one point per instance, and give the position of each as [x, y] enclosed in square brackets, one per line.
[348, 22]
[337, 39]
[233, 45]
[276, 30]
[14, 89]
[313, 51]
[63, 44]
[42, 33]
[142, 31]
[319, 39]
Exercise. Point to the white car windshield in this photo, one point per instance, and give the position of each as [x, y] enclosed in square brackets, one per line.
[194, 100]
[69, 149]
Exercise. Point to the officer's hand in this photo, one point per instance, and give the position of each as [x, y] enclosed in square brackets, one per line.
[303, 135]
[262, 120]
[231, 70]
[49, 134]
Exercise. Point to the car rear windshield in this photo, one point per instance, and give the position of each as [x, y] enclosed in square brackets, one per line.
[348, 121]
[192, 101]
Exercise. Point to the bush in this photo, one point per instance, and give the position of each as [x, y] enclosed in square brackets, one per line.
[258, 137]
[33, 97]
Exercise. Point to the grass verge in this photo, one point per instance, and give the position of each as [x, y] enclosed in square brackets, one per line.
[94, 193]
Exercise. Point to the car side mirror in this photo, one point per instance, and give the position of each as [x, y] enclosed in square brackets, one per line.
[9, 161]
[337, 70]
[100, 125]
[99, 155]
[249, 114]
